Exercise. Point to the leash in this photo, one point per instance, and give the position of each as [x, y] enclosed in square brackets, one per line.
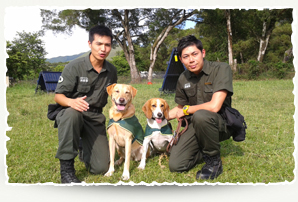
[177, 133]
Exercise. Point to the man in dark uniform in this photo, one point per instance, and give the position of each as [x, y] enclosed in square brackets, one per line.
[82, 89]
[201, 91]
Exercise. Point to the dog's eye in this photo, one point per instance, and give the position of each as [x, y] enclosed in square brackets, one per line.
[161, 105]
[154, 106]
[117, 91]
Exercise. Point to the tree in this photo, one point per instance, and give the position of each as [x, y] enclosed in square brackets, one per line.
[162, 21]
[26, 55]
[230, 41]
[213, 30]
[129, 27]
[260, 23]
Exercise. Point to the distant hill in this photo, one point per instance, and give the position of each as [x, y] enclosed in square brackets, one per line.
[64, 58]
[72, 57]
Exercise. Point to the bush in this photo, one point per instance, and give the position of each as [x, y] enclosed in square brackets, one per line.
[254, 69]
[281, 69]
[121, 64]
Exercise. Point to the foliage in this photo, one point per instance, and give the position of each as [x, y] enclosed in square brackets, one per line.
[266, 156]
[280, 69]
[247, 31]
[254, 69]
[55, 67]
[130, 26]
[121, 64]
[279, 43]
[146, 24]
[26, 56]
[214, 33]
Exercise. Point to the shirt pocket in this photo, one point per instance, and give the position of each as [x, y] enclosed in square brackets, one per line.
[208, 92]
[191, 94]
[83, 88]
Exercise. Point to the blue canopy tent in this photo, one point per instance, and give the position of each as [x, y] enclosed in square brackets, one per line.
[47, 81]
[174, 69]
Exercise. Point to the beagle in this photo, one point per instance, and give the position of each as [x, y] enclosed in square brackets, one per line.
[125, 132]
[158, 132]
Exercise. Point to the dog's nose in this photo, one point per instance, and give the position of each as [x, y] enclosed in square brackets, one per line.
[159, 114]
[121, 100]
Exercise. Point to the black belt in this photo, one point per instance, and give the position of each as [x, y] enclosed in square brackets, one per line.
[94, 109]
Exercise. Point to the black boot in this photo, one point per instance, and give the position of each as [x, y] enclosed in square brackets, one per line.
[68, 172]
[212, 169]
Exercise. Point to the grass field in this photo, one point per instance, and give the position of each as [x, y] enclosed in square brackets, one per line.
[265, 156]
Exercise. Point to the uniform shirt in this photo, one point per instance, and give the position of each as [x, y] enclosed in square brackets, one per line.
[79, 78]
[195, 89]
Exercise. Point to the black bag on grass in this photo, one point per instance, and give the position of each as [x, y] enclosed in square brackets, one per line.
[234, 121]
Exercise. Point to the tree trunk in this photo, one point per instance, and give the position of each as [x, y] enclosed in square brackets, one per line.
[127, 47]
[230, 45]
[154, 50]
[241, 57]
[263, 42]
[288, 55]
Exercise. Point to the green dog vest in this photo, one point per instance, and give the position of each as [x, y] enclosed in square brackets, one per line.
[165, 130]
[131, 125]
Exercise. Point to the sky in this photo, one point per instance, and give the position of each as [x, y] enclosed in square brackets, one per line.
[28, 19]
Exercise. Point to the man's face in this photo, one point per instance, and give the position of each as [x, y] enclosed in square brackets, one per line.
[192, 58]
[100, 47]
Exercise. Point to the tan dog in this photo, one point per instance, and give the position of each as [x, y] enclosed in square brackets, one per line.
[128, 141]
[158, 133]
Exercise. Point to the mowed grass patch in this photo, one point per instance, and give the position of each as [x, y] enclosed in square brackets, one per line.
[265, 156]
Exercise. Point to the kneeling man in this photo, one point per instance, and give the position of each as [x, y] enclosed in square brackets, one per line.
[201, 91]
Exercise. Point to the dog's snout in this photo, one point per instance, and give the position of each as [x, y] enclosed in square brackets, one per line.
[159, 114]
[121, 100]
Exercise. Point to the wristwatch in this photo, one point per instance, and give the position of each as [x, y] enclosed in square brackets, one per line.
[185, 108]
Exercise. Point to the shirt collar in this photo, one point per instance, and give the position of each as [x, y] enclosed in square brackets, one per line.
[205, 70]
[89, 66]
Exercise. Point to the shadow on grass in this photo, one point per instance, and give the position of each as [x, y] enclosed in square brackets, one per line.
[228, 148]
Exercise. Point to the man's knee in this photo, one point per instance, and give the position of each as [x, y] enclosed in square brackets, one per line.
[98, 169]
[174, 166]
[200, 116]
[70, 115]
[177, 166]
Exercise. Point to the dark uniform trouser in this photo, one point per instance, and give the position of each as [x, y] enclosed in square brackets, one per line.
[204, 133]
[90, 126]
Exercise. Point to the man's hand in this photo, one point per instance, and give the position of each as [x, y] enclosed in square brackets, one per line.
[179, 113]
[176, 112]
[79, 104]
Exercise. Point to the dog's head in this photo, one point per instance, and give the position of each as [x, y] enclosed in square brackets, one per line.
[156, 108]
[121, 95]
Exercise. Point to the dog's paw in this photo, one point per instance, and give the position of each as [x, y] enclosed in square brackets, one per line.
[125, 175]
[141, 167]
[109, 173]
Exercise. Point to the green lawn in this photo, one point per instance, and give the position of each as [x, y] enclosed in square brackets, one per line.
[265, 156]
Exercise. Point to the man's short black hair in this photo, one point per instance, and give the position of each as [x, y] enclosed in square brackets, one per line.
[189, 40]
[101, 30]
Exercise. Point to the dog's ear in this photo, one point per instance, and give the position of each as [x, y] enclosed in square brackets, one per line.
[133, 91]
[167, 109]
[147, 109]
[110, 89]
